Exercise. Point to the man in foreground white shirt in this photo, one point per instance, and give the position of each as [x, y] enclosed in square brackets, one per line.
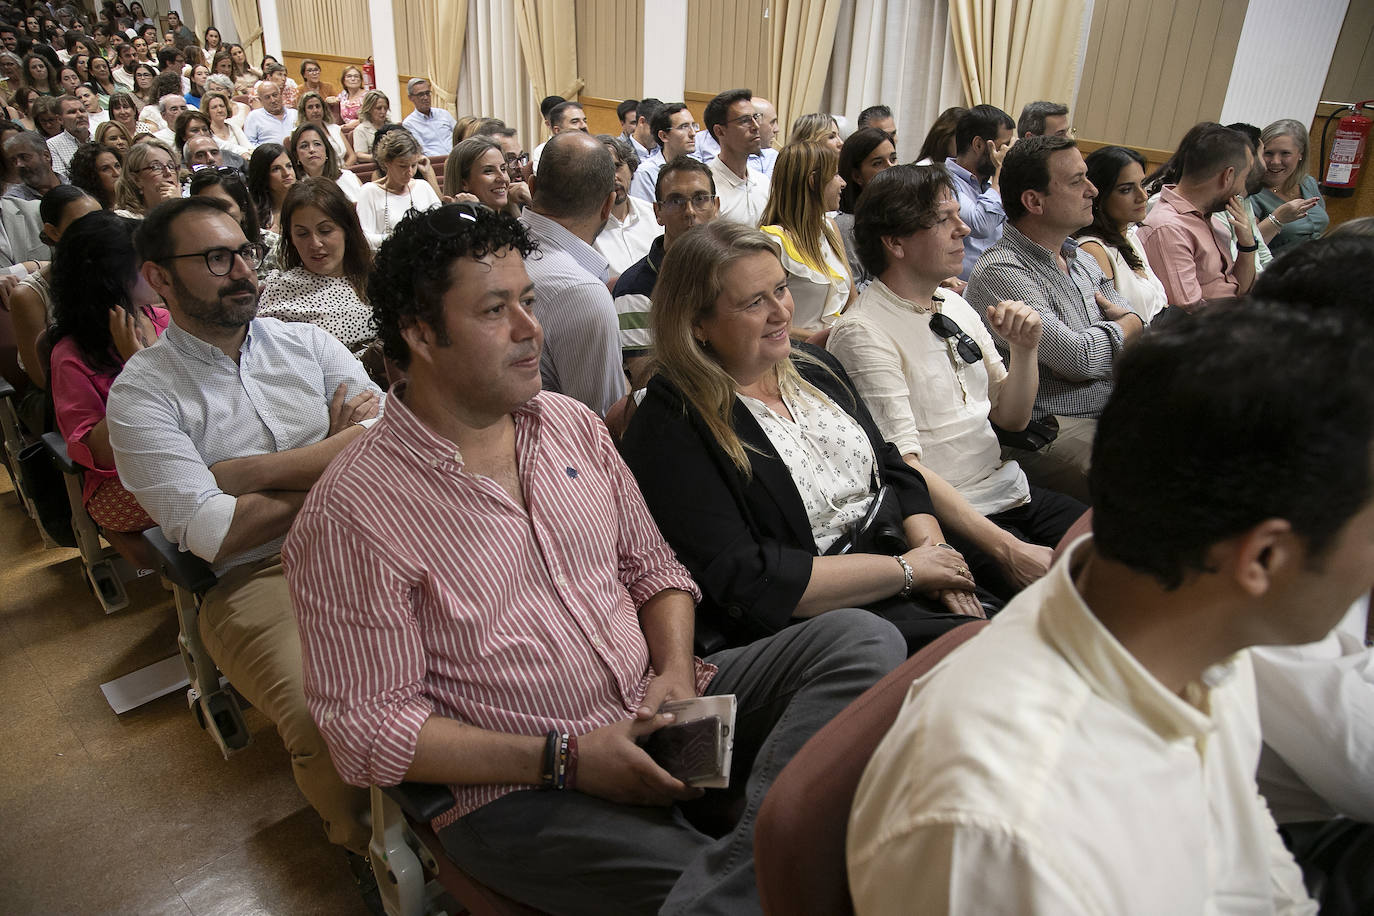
[1094, 751]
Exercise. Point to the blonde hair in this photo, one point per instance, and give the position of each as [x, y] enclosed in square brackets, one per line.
[128, 195]
[326, 116]
[465, 127]
[394, 143]
[690, 282]
[813, 128]
[106, 127]
[801, 172]
[370, 99]
[1287, 127]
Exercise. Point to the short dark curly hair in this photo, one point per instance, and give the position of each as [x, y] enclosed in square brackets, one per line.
[413, 269]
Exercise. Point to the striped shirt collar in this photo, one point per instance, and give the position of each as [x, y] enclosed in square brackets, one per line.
[556, 235]
[401, 423]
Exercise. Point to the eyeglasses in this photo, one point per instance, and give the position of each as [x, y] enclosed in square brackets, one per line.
[162, 168]
[697, 201]
[746, 120]
[690, 128]
[945, 328]
[520, 160]
[219, 261]
[422, 95]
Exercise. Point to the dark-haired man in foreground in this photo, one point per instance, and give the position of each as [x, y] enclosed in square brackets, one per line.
[1094, 751]
[481, 589]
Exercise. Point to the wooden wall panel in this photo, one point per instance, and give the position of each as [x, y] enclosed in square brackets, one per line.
[610, 52]
[337, 28]
[727, 46]
[1152, 70]
[1351, 77]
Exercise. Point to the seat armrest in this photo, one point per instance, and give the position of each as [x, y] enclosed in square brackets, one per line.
[421, 801]
[183, 569]
[6, 389]
[56, 446]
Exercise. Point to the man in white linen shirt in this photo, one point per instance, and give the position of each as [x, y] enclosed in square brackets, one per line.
[742, 189]
[1317, 700]
[273, 122]
[574, 192]
[1094, 750]
[927, 368]
[433, 127]
[219, 430]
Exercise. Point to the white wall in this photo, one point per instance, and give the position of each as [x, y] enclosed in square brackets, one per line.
[1285, 50]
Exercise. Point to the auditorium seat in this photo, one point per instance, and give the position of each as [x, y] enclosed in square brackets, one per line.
[799, 840]
[406, 855]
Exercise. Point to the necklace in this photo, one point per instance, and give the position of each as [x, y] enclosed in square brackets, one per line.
[386, 206]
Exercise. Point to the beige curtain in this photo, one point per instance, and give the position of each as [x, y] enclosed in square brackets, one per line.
[200, 17]
[249, 27]
[326, 27]
[548, 40]
[803, 36]
[493, 80]
[1016, 51]
[897, 53]
[443, 27]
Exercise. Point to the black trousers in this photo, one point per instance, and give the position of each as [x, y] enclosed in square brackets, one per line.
[1337, 859]
[1043, 521]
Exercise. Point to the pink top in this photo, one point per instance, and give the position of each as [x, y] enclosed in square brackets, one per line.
[79, 394]
[421, 589]
[1189, 253]
[349, 108]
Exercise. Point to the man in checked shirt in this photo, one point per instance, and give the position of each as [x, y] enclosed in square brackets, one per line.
[478, 582]
[1086, 322]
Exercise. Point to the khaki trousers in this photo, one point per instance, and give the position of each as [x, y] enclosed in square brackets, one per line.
[1063, 464]
[249, 628]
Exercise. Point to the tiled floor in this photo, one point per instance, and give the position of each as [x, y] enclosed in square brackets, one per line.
[137, 813]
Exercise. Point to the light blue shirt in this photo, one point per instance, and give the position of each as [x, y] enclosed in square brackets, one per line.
[434, 130]
[261, 127]
[646, 176]
[181, 406]
[980, 207]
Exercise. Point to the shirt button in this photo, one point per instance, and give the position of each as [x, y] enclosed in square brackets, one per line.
[560, 580]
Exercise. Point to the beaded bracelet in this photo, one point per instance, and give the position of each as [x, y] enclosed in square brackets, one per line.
[910, 576]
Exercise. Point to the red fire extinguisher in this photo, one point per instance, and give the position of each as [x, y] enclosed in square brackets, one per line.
[1343, 163]
[369, 75]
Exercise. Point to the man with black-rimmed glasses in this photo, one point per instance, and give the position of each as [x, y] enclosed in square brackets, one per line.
[219, 430]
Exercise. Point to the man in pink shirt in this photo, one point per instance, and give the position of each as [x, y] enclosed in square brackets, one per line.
[481, 591]
[1189, 253]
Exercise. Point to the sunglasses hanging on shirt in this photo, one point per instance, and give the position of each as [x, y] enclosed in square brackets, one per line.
[945, 328]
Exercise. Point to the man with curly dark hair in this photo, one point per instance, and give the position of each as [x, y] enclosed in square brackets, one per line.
[484, 601]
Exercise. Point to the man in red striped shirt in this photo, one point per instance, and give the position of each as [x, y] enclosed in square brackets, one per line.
[481, 591]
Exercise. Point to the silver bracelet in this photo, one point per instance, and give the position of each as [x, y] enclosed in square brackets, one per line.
[1275, 220]
[910, 576]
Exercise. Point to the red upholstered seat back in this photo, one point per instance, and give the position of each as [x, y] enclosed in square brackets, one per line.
[800, 835]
